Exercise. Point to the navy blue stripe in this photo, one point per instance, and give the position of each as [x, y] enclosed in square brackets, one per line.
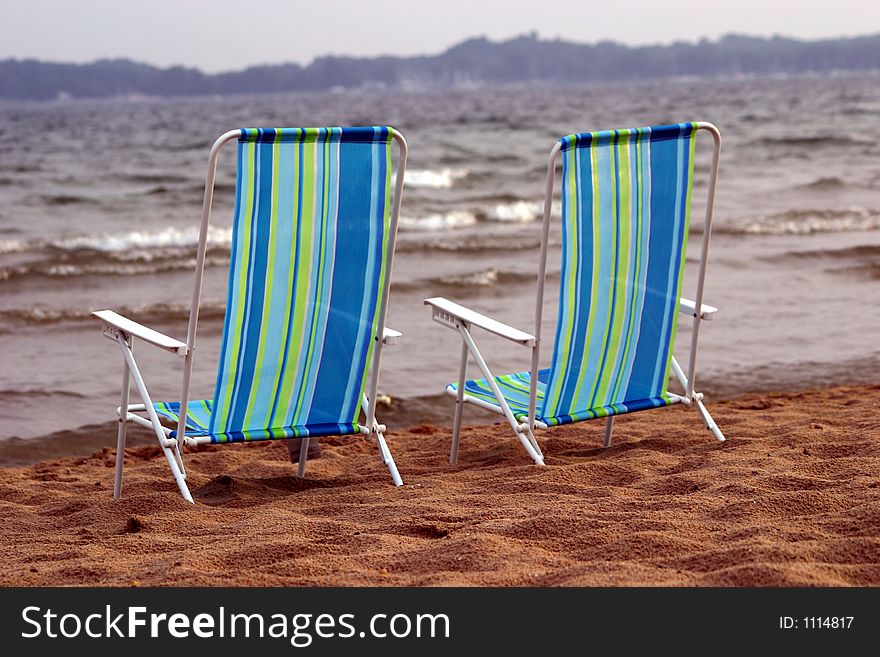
[356, 135]
[658, 133]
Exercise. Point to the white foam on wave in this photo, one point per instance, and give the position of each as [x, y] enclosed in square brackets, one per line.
[486, 278]
[442, 179]
[807, 222]
[12, 246]
[438, 222]
[516, 212]
[145, 240]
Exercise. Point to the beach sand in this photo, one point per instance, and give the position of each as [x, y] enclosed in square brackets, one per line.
[792, 498]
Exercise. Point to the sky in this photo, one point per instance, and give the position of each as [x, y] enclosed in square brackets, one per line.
[222, 35]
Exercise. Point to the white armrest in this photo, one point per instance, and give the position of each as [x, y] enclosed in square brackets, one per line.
[446, 312]
[689, 307]
[390, 336]
[115, 323]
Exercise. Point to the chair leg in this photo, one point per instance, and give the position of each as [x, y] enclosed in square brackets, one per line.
[609, 427]
[388, 460]
[120, 435]
[303, 456]
[524, 439]
[179, 477]
[709, 422]
[459, 404]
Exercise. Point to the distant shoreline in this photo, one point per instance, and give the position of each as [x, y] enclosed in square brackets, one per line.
[473, 64]
[529, 85]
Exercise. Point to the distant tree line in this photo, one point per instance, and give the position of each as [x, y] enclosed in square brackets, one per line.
[473, 62]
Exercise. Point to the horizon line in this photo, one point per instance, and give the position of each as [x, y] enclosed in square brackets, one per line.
[529, 35]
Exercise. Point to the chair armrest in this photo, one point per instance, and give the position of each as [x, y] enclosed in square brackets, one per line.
[390, 336]
[446, 312]
[689, 307]
[114, 324]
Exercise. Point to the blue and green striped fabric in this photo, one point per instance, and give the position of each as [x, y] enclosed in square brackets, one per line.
[626, 197]
[306, 280]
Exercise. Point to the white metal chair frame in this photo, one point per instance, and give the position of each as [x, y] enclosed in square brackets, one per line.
[123, 330]
[461, 319]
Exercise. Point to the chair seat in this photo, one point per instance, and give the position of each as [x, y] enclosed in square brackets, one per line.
[198, 419]
[515, 390]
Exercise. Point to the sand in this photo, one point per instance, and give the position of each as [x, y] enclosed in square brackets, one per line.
[791, 499]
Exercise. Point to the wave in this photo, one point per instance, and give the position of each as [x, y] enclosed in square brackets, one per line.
[513, 212]
[474, 244]
[123, 254]
[482, 279]
[825, 184]
[869, 271]
[804, 222]
[150, 178]
[438, 222]
[861, 261]
[485, 278]
[814, 140]
[472, 280]
[101, 267]
[860, 251]
[147, 313]
[443, 179]
[67, 199]
[518, 211]
[13, 246]
[139, 241]
[18, 393]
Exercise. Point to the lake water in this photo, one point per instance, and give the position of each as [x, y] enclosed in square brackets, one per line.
[100, 204]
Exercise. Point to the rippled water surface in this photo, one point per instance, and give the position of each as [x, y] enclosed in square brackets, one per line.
[100, 201]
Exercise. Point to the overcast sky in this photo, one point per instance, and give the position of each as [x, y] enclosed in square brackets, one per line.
[217, 35]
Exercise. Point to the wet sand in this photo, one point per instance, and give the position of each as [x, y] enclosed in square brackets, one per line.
[793, 498]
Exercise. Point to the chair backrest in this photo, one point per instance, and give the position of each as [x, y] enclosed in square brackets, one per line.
[310, 245]
[626, 197]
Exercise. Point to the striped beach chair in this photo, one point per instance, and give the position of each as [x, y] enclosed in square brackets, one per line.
[312, 244]
[626, 198]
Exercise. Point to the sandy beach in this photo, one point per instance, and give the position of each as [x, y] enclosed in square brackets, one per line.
[791, 499]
